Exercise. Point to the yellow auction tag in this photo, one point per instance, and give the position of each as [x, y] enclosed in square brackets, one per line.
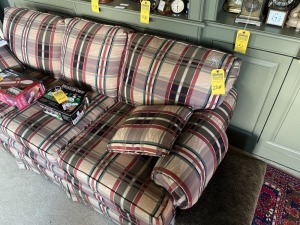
[95, 6]
[145, 12]
[241, 41]
[217, 82]
[60, 96]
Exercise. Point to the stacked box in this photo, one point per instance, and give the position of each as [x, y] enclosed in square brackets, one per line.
[71, 110]
[19, 91]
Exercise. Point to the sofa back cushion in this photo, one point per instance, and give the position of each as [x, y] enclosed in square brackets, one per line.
[92, 54]
[163, 71]
[35, 38]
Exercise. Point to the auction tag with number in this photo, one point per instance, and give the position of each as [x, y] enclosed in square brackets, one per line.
[217, 82]
[145, 12]
[241, 41]
[95, 6]
[60, 96]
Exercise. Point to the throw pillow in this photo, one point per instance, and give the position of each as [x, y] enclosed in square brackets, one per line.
[150, 130]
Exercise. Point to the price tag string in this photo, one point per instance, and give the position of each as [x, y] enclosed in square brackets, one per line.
[248, 18]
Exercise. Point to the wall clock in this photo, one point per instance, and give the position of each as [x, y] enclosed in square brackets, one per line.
[276, 17]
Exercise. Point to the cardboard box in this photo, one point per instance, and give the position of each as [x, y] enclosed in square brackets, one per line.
[19, 91]
[71, 110]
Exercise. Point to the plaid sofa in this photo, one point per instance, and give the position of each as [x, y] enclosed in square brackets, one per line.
[122, 71]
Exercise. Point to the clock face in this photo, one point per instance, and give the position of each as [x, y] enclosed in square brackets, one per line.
[282, 3]
[177, 6]
[276, 17]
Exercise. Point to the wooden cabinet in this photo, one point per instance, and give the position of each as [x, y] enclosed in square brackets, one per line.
[279, 140]
[266, 118]
[261, 77]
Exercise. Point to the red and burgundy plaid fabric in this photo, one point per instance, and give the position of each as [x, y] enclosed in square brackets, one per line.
[150, 130]
[45, 135]
[35, 38]
[92, 54]
[122, 179]
[198, 150]
[8, 60]
[167, 72]
[76, 191]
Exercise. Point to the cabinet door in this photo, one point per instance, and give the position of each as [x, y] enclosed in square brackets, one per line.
[260, 79]
[280, 140]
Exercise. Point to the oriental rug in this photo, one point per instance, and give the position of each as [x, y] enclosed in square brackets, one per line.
[279, 199]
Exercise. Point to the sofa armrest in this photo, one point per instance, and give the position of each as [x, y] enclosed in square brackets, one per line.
[8, 60]
[196, 154]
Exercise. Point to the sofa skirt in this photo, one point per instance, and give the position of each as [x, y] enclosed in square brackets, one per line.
[76, 191]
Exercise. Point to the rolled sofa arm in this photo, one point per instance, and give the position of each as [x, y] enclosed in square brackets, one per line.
[196, 154]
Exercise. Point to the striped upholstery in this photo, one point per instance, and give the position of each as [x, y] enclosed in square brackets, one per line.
[45, 135]
[8, 60]
[77, 192]
[150, 130]
[6, 109]
[122, 179]
[92, 54]
[164, 71]
[198, 150]
[35, 38]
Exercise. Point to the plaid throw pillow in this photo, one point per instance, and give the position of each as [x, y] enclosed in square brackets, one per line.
[92, 55]
[35, 38]
[163, 71]
[150, 130]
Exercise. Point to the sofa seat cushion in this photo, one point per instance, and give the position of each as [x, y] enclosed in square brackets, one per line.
[46, 135]
[163, 71]
[197, 152]
[121, 179]
[92, 54]
[35, 38]
[150, 130]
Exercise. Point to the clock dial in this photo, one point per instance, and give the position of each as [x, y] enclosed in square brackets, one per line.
[177, 6]
[276, 17]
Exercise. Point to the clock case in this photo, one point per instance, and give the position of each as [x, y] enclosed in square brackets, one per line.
[271, 11]
[251, 12]
[273, 7]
